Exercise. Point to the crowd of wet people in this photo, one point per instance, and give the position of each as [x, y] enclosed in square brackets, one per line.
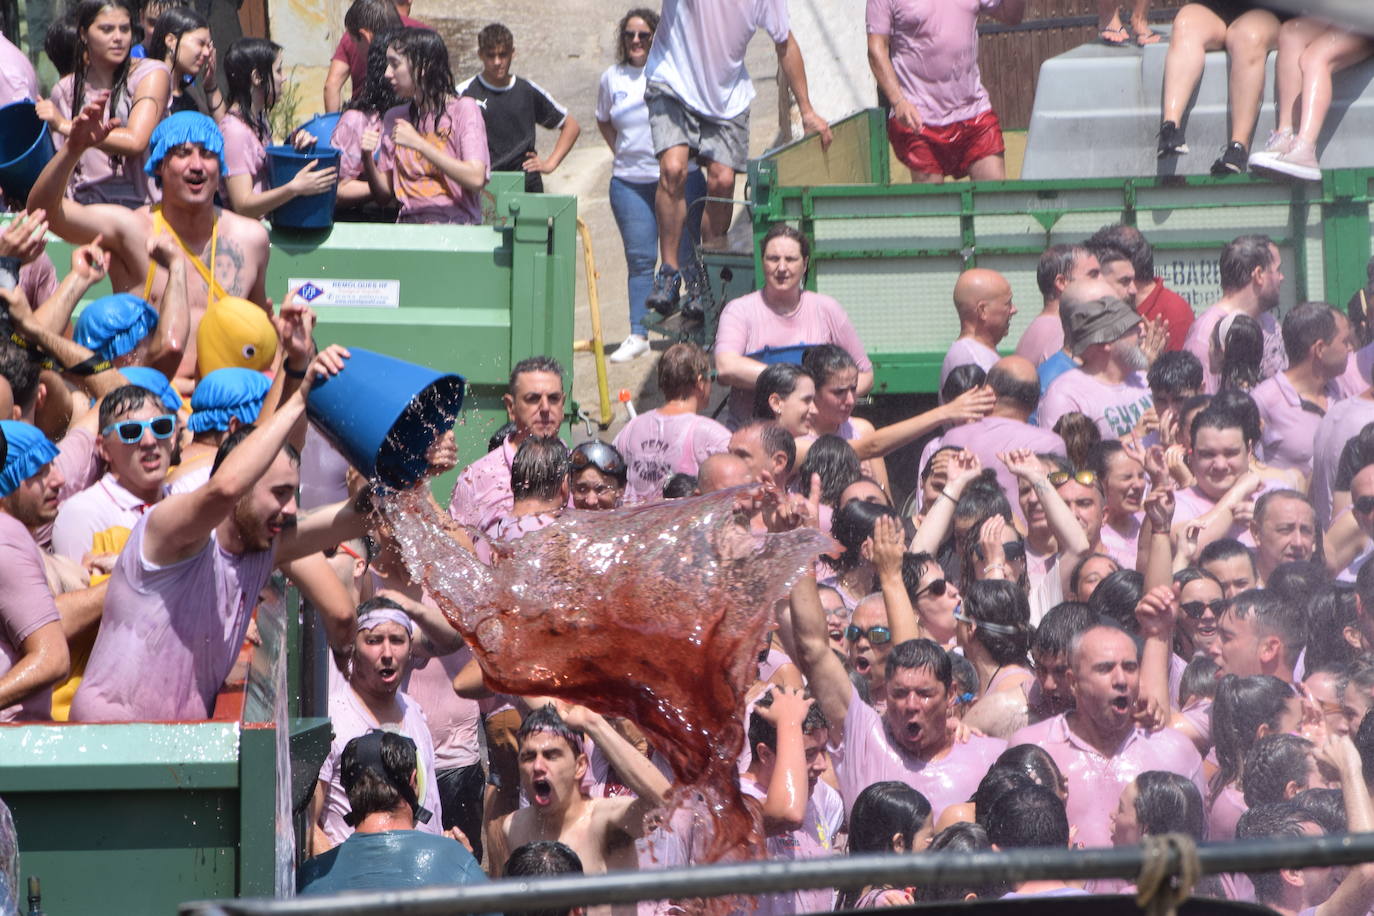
[1127, 594]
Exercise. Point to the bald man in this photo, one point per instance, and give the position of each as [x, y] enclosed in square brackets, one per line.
[982, 298]
[1062, 361]
[722, 471]
[1017, 387]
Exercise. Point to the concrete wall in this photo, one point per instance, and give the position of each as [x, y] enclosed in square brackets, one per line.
[309, 30]
[835, 47]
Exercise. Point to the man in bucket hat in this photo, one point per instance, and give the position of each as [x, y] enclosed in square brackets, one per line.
[1109, 387]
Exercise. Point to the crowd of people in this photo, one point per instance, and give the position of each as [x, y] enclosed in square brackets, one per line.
[1128, 594]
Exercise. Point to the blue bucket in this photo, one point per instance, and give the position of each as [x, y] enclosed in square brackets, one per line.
[383, 413]
[771, 355]
[315, 211]
[321, 127]
[25, 147]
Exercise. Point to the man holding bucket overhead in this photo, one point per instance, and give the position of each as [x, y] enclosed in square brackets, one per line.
[226, 254]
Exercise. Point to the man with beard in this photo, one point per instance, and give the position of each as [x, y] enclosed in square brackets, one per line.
[1251, 276]
[182, 591]
[224, 254]
[1316, 339]
[1109, 387]
[913, 739]
[1098, 745]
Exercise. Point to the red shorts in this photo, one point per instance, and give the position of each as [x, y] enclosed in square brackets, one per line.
[950, 148]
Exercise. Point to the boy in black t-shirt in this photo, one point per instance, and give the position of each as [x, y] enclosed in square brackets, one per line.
[512, 106]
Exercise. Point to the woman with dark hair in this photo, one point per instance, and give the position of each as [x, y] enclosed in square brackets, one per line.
[1123, 489]
[994, 632]
[1037, 763]
[253, 73]
[781, 314]
[961, 837]
[1333, 626]
[1158, 802]
[1245, 710]
[1116, 597]
[623, 119]
[62, 43]
[1236, 351]
[181, 40]
[887, 817]
[852, 526]
[362, 113]
[1080, 434]
[432, 147]
[598, 475]
[1201, 600]
[1088, 574]
[832, 458]
[135, 92]
[786, 393]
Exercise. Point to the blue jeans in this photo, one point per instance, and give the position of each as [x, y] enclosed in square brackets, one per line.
[632, 203]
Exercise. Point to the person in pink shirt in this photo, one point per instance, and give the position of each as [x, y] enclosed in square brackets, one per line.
[1259, 633]
[371, 99]
[674, 438]
[1110, 387]
[924, 57]
[913, 740]
[983, 301]
[1059, 266]
[1013, 380]
[1031, 817]
[1153, 300]
[539, 488]
[802, 816]
[1316, 339]
[1123, 488]
[1224, 491]
[781, 314]
[183, 590]
[18, 81]
[33, 645]
[1285, 530]
[1098, 745]
[432, 156]
[534, 403]
[1251, 277]
[1342, 423]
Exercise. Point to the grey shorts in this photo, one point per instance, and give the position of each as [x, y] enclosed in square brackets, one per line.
[674, 124]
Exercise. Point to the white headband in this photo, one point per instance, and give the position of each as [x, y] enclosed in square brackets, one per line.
[378, 616]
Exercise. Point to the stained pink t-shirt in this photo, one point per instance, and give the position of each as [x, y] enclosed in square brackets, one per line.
[990, 436]
[965, 351]
[244, 152]
[18, 81]
[747, 325]
[656, 446]
[100, 177]
[426, 194]
[1290, 429]
[1341, 424]
[347, 139]
[1041, 339]
[1199, 342]
[482, 492]
[26, 604]
[1116, 409]
[814, 839]
[1095, 782]
[1191, 502]
[934, 50]
[452, 720]
[866, 755]
[1122, 547]
[169, 634]
[1225, 814]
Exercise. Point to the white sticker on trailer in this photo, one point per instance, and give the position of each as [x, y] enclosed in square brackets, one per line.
[375, 294]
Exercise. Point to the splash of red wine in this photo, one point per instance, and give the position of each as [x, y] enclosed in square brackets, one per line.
[653, 613]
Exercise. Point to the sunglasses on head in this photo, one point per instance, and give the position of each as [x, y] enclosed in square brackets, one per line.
[1196, 609]
[1086, 477]
[599, 455]
[130, 432]
[1364, 505]
[629, 35]
[876, 635]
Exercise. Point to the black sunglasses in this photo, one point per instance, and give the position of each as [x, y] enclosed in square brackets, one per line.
[1364, 505]
[599, 455]
[1015, 552]
[935, 589]
[1196, 609]
[877, 635]
[629, 35]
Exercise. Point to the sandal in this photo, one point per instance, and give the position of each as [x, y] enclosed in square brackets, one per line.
[1114, 37]
[1146, 38]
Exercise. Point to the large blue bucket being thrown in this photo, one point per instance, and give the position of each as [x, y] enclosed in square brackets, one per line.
[771, 355]
[383, 414]
[315, 211]
[25, 147]
[321, 127]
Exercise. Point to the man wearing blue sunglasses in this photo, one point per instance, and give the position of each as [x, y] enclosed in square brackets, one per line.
[137, 435]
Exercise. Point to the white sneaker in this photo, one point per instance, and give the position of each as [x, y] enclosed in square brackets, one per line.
[631, 347]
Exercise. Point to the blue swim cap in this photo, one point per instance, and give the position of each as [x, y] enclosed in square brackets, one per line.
[29, 450]
[184, 127]
[227, 393]
[113, 325]
[156, 382]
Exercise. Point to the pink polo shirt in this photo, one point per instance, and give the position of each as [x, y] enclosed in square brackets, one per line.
[482, 492]
[94, 510]
[1290, 430]
[1116, 409]
[26, 605]
[866, 755]
[814, 839]
[1095, 782]
[934, 49]
[656, 446]
[1199, 343]
[991, 435]
[747, 325]
[1342, 423]
[1041, 339]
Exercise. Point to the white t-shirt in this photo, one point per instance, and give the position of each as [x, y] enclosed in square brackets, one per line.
[620, 102]
[699, 48]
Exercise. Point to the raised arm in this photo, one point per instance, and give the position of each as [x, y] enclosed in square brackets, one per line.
[637, 772]
[964, 466]
[824, 672]
[1355, 894]
[168, 341]
[1068, 534]
[90, 263]
[97, 376]
[784, 808]
[889, 546]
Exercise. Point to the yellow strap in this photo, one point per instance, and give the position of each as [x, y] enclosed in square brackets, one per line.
[213, 290]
